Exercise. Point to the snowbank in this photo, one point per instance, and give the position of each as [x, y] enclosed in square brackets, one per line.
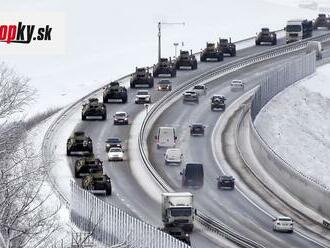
[296, 125]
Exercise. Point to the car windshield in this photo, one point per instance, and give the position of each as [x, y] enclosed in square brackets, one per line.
[284, 219]
[141, 93]
[115, 150]
[164, 82]
[113, 140]
[293, 28]
[121, 114]
[181, 212]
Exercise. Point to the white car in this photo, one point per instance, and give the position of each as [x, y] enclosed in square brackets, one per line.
[116, 154]
[237, 85]
[142, 96]
[173, 155]
[283, 224]
[200, 89]
[120, 118]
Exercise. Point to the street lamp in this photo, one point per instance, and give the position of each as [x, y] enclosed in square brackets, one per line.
[160, 34]
[175, 47]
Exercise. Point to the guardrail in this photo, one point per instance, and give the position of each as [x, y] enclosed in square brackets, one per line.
[308, 190]
[168, 99]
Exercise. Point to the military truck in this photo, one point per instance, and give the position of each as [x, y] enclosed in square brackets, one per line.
[79, 142]
[186, 60]
[227, 47]
[164, 66]
[87, 165]
[211, 52]
[114, 92]
[93, 108]
[178, 210]
[265, 36]
[97, 183]
[322, 21]
[178, 233]
[142, 77]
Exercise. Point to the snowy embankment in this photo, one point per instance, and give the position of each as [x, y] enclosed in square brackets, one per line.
[296, 124]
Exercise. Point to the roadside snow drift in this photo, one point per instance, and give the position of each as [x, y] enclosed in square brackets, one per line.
[296, 124]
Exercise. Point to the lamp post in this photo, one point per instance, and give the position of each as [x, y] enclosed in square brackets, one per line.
[175, 48]
[160, 34]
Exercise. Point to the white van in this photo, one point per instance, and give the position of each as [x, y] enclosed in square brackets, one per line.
[166, 137]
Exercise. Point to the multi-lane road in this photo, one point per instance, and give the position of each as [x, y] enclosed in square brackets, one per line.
[227, 206]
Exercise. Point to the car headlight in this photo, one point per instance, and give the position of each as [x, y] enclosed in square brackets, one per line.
[125, 119]
[85, 143]
[107, 145]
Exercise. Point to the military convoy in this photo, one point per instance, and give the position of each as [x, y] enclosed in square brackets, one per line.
[186, 59]
[87, 165]
[97, 183]
[227, 47]
[79, 142]
[142, 77]
[265, 36]
[114, 92]
[164, 66]
[211, 52]
[93, 108]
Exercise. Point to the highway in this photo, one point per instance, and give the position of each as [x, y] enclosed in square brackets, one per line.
[228, 206]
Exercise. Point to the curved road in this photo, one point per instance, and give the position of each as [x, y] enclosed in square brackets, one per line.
[128, 194]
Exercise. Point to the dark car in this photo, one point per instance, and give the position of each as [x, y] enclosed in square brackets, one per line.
[120, 118]
[197, 129]
[226, 182]
[193, 175]
[79, 142]
[265, 36]
[190, 96]
[112, 142]
[164, 85]
[87, 165]
[218, 103]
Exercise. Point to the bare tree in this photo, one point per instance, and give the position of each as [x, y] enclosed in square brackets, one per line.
[25, 221]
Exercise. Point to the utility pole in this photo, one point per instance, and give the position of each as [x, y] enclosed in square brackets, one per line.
[175, 46]
[160, 34]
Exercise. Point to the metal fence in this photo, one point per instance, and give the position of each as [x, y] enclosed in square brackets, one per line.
[112, 226]
[277, 80]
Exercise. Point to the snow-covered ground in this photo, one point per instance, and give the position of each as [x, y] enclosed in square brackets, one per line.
[296, 125]
[107, 39]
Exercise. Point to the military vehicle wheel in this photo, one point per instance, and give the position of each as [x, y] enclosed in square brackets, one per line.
[108, 190]
[203, 59]
[104, 117]
[177, 66]
[105, 100]
[124, 99]
[83, 117]
[233, 54]
[68, 152]
[219, 58]
[274, 42]
[257, 43]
